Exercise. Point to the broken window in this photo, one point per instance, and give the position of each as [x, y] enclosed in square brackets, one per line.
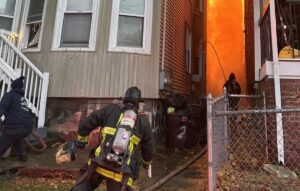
[33, 23]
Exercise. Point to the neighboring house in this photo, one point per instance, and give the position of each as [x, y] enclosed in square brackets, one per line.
[273, 62]
[95, 49]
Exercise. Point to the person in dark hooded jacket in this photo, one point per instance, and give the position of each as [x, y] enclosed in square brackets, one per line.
[233, 87]
[18, 121]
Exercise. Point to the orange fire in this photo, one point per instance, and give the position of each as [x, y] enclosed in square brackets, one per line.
[225, 39]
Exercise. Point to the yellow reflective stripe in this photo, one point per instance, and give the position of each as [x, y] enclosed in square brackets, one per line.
[89, 162]
[171, 110]
[128, 162]
[103, 138]
[121, 116]
[146, 162]
[113, 175]
[131, 146]
[97, 151]
[130, 182]
[82, 138]
[108, 130]
[136, 140]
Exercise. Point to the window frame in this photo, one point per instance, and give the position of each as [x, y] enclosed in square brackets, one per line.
[15, 18]
[58, 27]
[147, 30]
[23, 42]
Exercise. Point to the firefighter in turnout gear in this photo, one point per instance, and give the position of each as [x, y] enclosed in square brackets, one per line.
[126, 141]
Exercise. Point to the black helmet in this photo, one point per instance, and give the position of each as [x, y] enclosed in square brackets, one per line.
[133, 94]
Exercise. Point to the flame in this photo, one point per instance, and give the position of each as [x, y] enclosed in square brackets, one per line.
[211, 2]
[225, 26]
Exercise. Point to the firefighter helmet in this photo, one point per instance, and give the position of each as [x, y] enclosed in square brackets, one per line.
[133, 94]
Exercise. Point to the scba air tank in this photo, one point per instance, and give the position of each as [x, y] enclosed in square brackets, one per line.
[123, 135]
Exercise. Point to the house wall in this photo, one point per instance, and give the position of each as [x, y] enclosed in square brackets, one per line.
[290, 93]
[179, 14]
[98, 74]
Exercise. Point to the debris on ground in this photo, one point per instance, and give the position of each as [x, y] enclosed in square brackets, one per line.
[237, 179]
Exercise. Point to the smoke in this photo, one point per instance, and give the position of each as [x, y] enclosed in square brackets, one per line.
[225, 32]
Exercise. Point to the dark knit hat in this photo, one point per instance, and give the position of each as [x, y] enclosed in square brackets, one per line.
[232, 76]
[18, 83]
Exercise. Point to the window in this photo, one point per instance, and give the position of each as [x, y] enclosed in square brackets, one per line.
[188, 49]
[32, 24]
[8, 13]
[131, 26]
[75, 26]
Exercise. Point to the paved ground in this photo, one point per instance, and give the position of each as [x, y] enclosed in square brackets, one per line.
[193, 178]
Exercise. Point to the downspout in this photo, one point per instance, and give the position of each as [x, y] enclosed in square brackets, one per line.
[164, 36]
[257, 41]
[280, 141]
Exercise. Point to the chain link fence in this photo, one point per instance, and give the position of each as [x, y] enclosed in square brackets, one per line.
[251, 147]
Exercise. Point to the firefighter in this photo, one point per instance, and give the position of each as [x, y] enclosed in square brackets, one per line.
[18, 122]
[119, 171]
[233, 87]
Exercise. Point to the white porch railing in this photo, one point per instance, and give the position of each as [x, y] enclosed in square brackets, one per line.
[14, 63]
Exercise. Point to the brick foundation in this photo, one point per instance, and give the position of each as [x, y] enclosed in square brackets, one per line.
[290, 94]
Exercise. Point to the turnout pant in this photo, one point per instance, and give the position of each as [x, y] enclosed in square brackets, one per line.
[92, 182]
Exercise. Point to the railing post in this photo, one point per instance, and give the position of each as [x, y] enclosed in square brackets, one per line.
[44, 92]
[211, 176]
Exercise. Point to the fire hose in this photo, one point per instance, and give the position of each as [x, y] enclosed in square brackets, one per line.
[39, 140]
[176, 171]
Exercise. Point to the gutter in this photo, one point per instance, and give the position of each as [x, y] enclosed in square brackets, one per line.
[280, 140]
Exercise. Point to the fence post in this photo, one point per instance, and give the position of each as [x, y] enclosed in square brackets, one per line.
[211, 179]
[44, 92]
[226, 122]
[266, 125]
[280, 138]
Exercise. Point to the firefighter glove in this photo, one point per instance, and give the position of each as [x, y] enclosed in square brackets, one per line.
[66, 152]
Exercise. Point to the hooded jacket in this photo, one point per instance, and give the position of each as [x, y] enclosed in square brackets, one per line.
[14, 107]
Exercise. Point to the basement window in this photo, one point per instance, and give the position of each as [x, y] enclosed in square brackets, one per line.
[131, 26]
[75, 27]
